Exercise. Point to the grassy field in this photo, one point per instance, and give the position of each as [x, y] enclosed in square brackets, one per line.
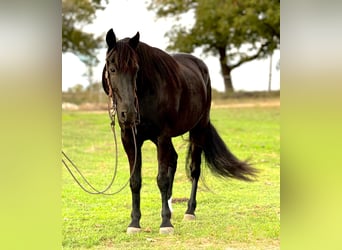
[231, 215]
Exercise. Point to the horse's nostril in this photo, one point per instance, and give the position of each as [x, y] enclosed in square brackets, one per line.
[123, 116]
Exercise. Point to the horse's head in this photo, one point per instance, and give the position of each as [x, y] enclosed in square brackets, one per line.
[119, 77]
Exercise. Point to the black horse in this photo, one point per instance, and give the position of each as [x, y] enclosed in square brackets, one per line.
[162, 96]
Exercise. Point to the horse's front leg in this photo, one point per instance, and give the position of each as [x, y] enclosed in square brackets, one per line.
[133, 151]
[165, 154]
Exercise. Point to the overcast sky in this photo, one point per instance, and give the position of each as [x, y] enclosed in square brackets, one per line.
[127, 17]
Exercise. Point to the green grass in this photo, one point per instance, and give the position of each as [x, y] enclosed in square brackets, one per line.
[231, 215]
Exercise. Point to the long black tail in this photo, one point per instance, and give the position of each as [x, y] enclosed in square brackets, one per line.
[221, 161]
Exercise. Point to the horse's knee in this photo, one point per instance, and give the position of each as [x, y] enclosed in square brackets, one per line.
[135, 184]
[174, 158]
[196, 172]
[163, 181]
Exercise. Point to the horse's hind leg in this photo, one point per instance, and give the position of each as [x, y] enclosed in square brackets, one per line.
[166, 159]
[195, 152]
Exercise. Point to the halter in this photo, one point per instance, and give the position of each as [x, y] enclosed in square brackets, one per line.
[112, 108]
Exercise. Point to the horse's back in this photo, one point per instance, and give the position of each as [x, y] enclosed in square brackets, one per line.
[196, 75]
[193, 63]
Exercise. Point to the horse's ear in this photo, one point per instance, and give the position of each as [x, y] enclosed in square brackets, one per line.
[111, 39]
[104, 81]
[133, 42]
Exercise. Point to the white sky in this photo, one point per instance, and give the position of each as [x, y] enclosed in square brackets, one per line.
[126, 17]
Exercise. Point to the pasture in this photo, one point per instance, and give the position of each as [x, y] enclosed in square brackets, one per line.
[230, 214]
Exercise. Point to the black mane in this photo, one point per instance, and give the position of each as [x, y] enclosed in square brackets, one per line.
[152, 60]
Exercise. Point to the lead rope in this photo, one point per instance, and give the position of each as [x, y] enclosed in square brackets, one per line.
[111, 112]
[95, 190]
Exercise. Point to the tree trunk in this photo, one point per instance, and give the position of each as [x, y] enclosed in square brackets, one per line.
[228, 83]
[226, 71]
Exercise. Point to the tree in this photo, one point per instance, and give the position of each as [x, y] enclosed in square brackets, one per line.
[237, 31]
[76, 14]
[78, 88]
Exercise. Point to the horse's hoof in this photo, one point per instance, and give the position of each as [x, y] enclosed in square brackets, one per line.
[166, 230]
[189, 217]
[133, 230]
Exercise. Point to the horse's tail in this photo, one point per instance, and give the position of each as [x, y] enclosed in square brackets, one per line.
[221, 161]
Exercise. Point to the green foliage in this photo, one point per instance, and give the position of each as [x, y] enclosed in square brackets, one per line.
[77, 94]
[234, 214]
[75, 14]
[225, 29]
[229, 24]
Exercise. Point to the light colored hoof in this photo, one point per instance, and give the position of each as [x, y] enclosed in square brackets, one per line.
[189, 217]
[133, 230]
[166, 230]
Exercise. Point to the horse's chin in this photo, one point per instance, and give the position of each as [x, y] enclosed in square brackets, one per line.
[126, 124]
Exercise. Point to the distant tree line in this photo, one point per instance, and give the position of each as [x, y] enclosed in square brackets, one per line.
[90, 94]
[94, 94]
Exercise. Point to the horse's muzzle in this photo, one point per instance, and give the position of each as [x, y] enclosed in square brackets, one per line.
[128, 118]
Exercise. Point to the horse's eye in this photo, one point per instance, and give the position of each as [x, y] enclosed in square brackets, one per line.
[112, 69]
